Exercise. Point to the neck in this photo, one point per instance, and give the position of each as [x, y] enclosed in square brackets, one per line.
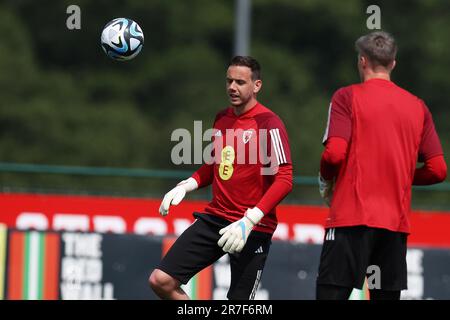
[377, 75]
[238, 110]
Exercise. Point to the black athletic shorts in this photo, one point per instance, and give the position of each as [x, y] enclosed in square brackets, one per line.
[347, 253]
[196, 248]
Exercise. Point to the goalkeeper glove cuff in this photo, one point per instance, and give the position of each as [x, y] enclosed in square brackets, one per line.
[326, 189]
[254, 215]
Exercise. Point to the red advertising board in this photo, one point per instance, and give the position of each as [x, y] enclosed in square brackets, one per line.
[135, 215]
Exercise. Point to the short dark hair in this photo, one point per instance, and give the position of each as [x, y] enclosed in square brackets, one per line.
[250, 62]
[379, 47]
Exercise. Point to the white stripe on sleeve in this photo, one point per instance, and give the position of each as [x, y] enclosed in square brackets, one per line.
[283, 155]
[325, 136]
[278, 146]
[274, 146]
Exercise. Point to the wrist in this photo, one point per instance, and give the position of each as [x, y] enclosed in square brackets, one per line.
[254, 215]
[189, 184]
[321, 178]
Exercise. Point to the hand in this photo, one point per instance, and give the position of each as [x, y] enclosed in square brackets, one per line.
[326, 188]
[236, 234]
[174, 196]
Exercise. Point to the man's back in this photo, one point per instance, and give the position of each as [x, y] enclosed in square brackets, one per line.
[374, 185]
[375, 135]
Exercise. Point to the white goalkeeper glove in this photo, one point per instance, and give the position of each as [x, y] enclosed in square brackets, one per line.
[326, 188]
[236, 234]
[174, 196]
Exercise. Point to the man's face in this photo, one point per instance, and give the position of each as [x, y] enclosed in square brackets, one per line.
[240, 86]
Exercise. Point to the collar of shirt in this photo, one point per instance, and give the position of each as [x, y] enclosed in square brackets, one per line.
[248, 114]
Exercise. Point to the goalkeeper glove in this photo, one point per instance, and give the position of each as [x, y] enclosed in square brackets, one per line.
[174, 196]
[236, 234]
[326, 188]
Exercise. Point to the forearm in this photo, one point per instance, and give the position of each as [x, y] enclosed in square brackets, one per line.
[332, 157]
[279, 189]
[204, 175]
[433, 171]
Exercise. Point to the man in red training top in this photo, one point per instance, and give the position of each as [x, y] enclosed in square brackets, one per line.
[241, 218]
[376, 132]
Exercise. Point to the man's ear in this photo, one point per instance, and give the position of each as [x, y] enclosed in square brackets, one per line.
[363, 61]
[392, 66]
[257, 86]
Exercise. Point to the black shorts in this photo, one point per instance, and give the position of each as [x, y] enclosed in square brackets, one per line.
[196, 248]
[347, 253]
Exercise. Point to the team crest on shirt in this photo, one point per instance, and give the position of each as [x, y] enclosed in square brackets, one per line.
[247, 135]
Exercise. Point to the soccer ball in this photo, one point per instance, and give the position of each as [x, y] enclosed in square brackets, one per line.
[122, 39]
